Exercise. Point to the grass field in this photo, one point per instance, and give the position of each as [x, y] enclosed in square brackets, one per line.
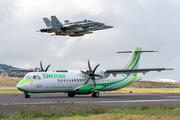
[9, 82]
[147, 112]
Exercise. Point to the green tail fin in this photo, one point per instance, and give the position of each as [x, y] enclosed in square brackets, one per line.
[133, 63]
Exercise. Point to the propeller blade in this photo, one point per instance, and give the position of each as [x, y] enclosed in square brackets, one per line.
[41, 66]
[95, 68]
[89, 66]
[94, 84]
[98, 76]
[87, 81]
[82, 71]
[47, 67]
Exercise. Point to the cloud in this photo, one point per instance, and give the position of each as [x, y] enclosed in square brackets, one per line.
[152, 25]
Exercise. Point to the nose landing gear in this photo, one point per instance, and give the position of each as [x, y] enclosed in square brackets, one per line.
[27, 95]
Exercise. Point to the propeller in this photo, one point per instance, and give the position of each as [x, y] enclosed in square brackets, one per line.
[42, 67]
[91, 74]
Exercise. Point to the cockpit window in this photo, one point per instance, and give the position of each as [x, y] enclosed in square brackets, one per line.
[32, 77]
[29, 77]
[36, 77]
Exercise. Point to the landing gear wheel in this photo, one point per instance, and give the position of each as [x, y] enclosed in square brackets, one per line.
[95, 94]
[71, 95]
[27, 95]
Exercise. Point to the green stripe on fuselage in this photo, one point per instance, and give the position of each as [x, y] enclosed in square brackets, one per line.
[128, 83]
[99, 87]
[25, 81]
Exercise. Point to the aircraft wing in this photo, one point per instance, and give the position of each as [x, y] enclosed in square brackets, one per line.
[75, 24]
[128, 71]
[21, 70]
[69, 25]
[100, 28]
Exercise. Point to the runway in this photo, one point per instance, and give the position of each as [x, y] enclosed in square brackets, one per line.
[104, 99]
[10, 103]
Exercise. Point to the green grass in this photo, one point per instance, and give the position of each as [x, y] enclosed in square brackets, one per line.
[146, 111]
[150, 84]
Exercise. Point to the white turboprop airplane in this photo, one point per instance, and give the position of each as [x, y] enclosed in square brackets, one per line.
[83, 81]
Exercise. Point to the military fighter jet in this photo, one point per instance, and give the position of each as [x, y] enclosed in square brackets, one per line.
[72, 29]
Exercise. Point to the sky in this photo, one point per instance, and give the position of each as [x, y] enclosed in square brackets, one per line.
[150, 24]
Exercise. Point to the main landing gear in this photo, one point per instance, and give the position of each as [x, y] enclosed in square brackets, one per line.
[71, 95]
[95, 94]
[27, 95]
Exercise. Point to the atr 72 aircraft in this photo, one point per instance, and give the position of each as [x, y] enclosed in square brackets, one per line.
[90, 81]
[73, 29]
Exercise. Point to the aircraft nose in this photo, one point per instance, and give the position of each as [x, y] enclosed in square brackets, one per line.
[21, 87]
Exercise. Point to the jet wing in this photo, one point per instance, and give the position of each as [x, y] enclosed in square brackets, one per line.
[75, 24]
[100, 28]
[128, 71]
[21, 70]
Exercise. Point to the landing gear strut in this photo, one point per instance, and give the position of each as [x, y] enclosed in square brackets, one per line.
[71, 95]
[27, 95]
[95, 94]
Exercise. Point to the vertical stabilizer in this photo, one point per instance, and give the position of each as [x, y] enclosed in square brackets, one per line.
[133, 63]
[47, 22]
[55, 22]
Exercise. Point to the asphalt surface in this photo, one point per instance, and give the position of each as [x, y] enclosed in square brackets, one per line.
[13, 102]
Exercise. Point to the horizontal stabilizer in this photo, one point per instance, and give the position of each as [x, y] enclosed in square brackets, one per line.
[137, 51]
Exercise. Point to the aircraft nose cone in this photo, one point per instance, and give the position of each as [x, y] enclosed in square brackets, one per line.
[21, 87]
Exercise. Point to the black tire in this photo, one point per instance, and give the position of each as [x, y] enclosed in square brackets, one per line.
[95, 94]
[71, 95]
[27, 96]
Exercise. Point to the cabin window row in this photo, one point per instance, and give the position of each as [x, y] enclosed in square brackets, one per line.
[83, 80]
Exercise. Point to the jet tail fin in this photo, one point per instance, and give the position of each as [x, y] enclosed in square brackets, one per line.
[55, 22]
[47, 22]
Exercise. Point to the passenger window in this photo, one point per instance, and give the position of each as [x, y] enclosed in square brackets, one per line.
[74, 80]
[61, 80]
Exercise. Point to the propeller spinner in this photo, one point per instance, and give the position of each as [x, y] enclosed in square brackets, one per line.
[91, 74]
